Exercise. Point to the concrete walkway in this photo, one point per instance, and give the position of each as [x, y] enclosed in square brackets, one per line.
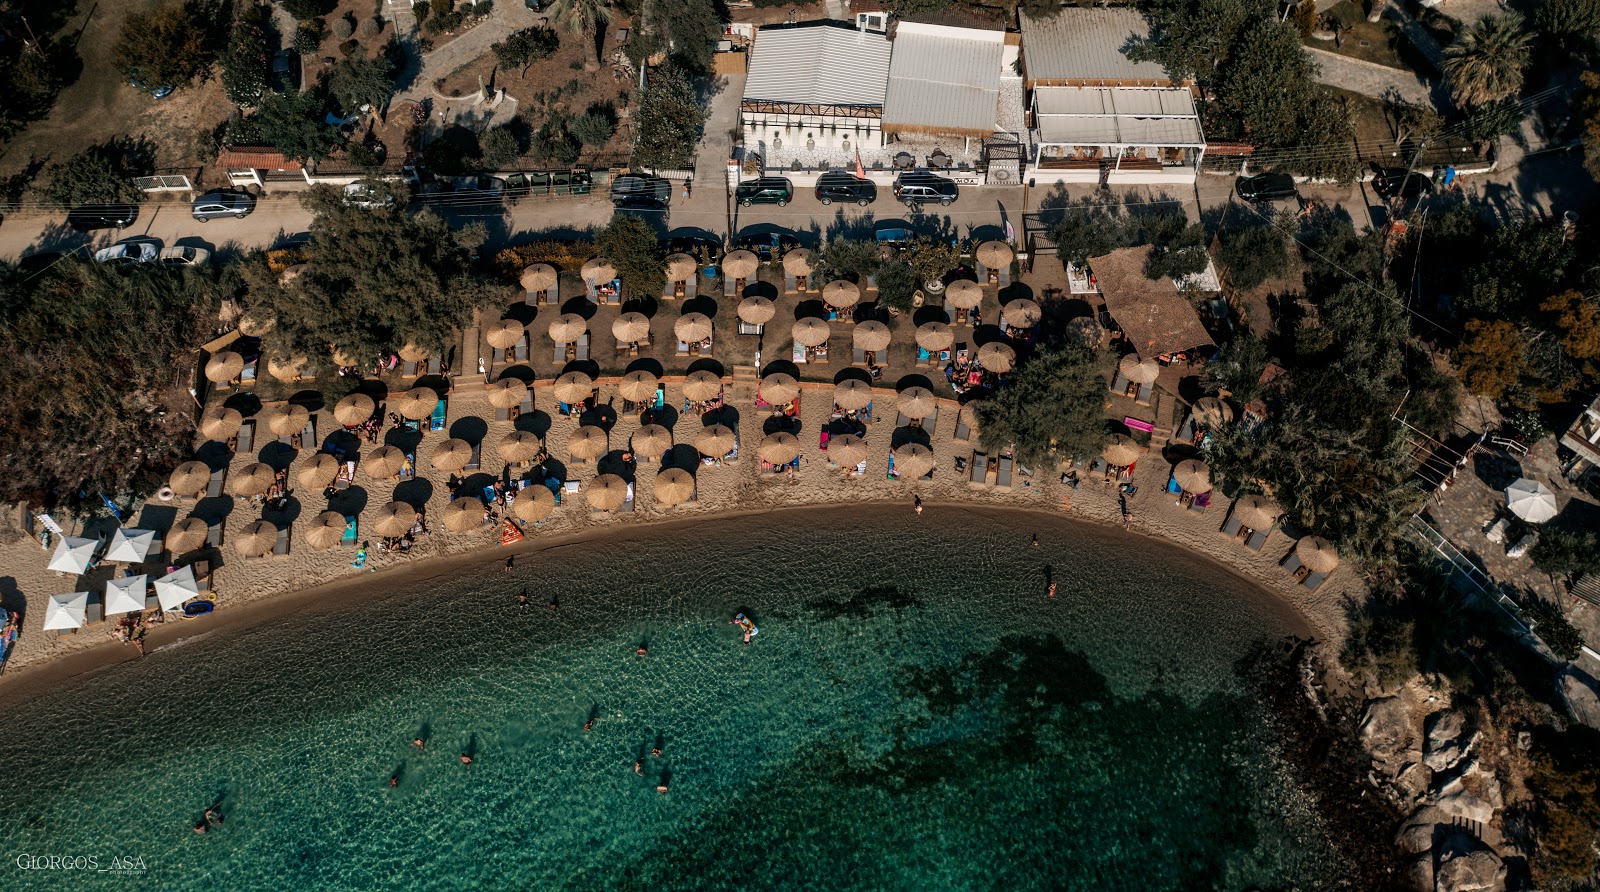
[1369, 78]
[504, 18]
[706, 208]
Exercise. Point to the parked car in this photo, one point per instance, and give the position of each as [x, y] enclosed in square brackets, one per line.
[919, 187]
[102, 216]
[639, 202]
[223, 204]
[285, 71]
[367, 195]
[156, 91]
[183, 255]
[840, 186]
[766, 190]
[1265, 187]
[473, 190]
[127, 252]
[767, 245]
[1397, 181]
[628, 187]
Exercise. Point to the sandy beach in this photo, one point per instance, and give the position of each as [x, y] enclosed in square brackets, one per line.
[253, 591]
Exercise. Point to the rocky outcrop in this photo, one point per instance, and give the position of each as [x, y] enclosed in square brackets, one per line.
[1479, 871]
[1442, 746]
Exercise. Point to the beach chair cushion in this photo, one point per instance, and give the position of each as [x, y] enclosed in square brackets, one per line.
[1119, 384]
[1257, 539]
[475, 461]
[437, 421]
[1231, 527]
[351, 531]
[1003, 474]
[980, 469]
[281, 547]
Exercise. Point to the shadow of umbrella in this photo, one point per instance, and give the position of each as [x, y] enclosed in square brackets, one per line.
[535, 422]
[313, 400]
[646, 364]
[522, 312]
[727, 415]
[707, 364]
[904, 435]
[781, 367]
[647, 307]
[437, 383]
[414, 492]
[666, 416]
[342, 442]
[988, 333]
[246, 404]
[781, 424]
[277, 456]
[520, 372]
[404, 439]
[472, 486]
[580, 305]
[601, 416]
[349, 502]
[682, 455]
[913, 380]
[852, 374]
[701, 304]
[811, 309]
[282, 517]
[767, 290]
[582, 366]
[930, 312]
[471, 428]
[1015, 291]
[215, 455]
[373, 387]
[613, 463]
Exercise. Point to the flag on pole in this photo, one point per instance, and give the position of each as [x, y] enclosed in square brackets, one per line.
[1011, 234]
[860, 171]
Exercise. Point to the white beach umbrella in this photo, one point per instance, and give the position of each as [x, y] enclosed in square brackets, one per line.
[66, 611]
[177, 587]
[130, 546]
[1531, 500]
[73, 555]
[126, 595]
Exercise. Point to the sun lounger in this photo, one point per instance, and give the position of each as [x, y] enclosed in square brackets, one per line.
[683, 348]
[559, 355]
[522, 349]
[583, 348]
[1002, 478]
[95, 610]
[1231, 527]
[218, 478]
[496, 356]
[247, 375]
[435, 365]
[436, 422]
[728, 287]
[1257, 539]
[352, 529]
[247, 435]
[1143, 398]
[963, 432]
[408, 369]
[281, 547]
[746, 328]
[980, 471]
[858, 357]
[503, 415]
[1200, 503]
[202, 575]
[214, 534]
[1313, 581]
[627, 503]
[1099, 466]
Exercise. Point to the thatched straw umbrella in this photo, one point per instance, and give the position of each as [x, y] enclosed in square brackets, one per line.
[847, 449]
[598, 271]
[1122, 451]
[256, 539]
[871, 335]
[810, 332]
[190, 478]
[354, 409]
[224, 367]
[252, 480]
[702, 385]
[1137, 370]
[692, 327]
[394, 519]
[220, 423]
[383, 463]
[797, 263]
[606, 492]
[740, 264]
[997, 357]
[286, 420]
[715, 441]
[410, 352]
[757, 310]
[256, 323]
[631, 328]
[680, 267]
[1193, 475]
[538, 277]
[318, 471]
[995, 255]
[325, 530]
[507, 392]
[568, 328]
[852, 393]
[504, 334]
[1317, 554]
[416, 404]
[841, 294]
[286, 369]
[463, 514]
[912, 461]
[1021, 313]
[674, 486]
[573, 387]
[451, 455]
[187, 535]
[638, 386]
[534, 503]
[935, 336]
[651, 442]
[778, 388]
[964, 294]
[1211, 413]
[587, 443]
[916, 402]
[518, 446]
[779, 448]
[1256, 512]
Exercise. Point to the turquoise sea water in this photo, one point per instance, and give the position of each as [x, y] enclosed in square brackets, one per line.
[914, 714]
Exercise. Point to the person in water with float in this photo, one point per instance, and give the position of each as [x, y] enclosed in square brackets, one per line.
[743, 622]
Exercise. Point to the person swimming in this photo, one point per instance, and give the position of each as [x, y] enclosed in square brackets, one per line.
[466, 760]
[638, 768]
[744, 622]
[417, 742]
[589, 725]
[394, 781]
[201, 826]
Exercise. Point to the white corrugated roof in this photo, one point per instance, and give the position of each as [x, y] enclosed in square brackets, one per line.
[1086, 44]
[818, 64]
[1117, 116]
[943, 77]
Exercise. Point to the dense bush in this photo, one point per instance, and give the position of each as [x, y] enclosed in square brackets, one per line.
[1051, 409]
[244, 63]
[101, 174]
[897, 285]
[509, 263]
[633, 248]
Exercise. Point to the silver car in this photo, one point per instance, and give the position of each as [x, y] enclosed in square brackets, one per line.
[183, 255]
[223, 204]
[127, 252]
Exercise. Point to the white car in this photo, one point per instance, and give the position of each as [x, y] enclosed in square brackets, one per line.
[127, 252]
[366, 196]
[182, 255]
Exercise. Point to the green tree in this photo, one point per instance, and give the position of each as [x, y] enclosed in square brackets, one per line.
[690, 27]
[1238, 367]
[521, 49]
[1566, 554]
[244, 61]
[1051, 409]
[931, 258]
[499, 148]
[101, 174]
[1557, 632]
[1195, 38]
[1253, 253]
[1487, 59]
[1492, 120]
[897, 285]
[634, 249]
[1088, 230]
[582, 17]
[166, 46]
[595, 127]
[293, 123]
[667, 119]
[1269, 87]
[366, 80]
[1575, 24]
[1178, 247]
[851, 259]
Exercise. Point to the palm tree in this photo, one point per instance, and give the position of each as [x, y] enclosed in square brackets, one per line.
[582, 17]
[1487, 59]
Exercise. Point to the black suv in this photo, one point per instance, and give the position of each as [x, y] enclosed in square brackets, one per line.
[918, 187]
[1265, 187]
[1394, 181]
[102, 216]
[767, 245]
[839, 186]
[767, 190]
[629, 190]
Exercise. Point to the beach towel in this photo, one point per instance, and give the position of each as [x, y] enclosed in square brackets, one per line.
[1172, 486]
[361, 559]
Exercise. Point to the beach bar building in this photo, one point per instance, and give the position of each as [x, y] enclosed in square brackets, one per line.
[1155, 317]
[814, 94]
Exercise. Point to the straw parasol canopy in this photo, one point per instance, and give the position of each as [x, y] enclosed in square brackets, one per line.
[1137, 370]
[702, 385]
[1256, 512]
[997, 357]
[416, 404]
[383, 462]
[252, 480]
[715, 441]
[286, 369]
[354, 409]
[871, 335]
[573, 387]
[1022, 313]
[190, 478]
[598, 270]
[1193, 475]
[286, 420]
[740, 264]
[1531, 500]
[841, 294]
[692, 327]
[1122, 451]
[847, 449]
[451, 455]
[538, 277]
[220, 423]
[757, 310]
[964, 294]
[674, 486]
[935, 336]
[567, 328]
[778, 388]
[913, 460]
[518, 446]
[507, 392]
[463, 514]
[995, 254]
[504, 334]
[797, 262]
[587, 443]
[224, 367]
[394, 519]
[852, 393]
[652, 441]
[916, 402]
[326, 530]
[318, 471]
[257, 322]
[606, 492]
[1317, 554]
[534, 503]
[810, 332]
[631, 328]
[638, 386]
[187, 535]
[256, 539]
[680, 267]
[779, 448]
[410, 352]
